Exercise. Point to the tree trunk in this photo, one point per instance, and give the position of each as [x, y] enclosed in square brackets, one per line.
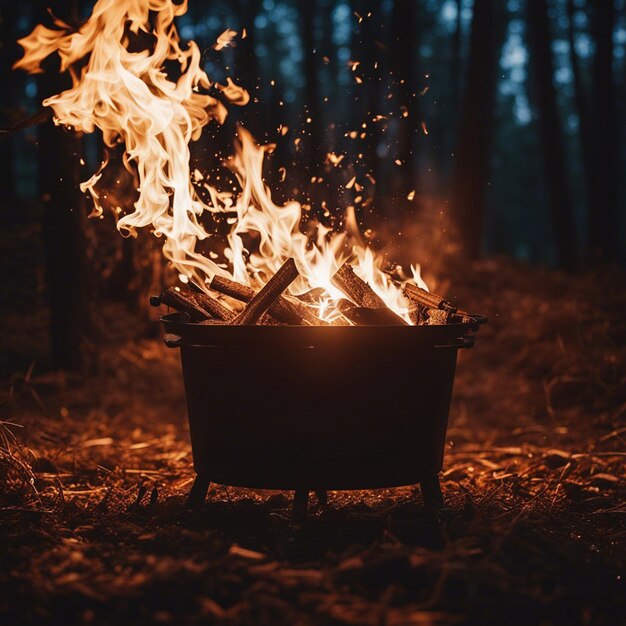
[64, 232]
[247, 67]
[405, 77]
[455, 66]
[314, 139]
[603, 219]
[586, 133]
[472, 165]
[559, 196]
[369, 93]
[7, 106]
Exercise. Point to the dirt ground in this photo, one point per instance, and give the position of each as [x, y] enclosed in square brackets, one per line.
[94, 471]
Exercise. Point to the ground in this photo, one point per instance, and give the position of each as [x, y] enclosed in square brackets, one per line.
[94, 471]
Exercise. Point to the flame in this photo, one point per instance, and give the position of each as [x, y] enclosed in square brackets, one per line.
[131, 99]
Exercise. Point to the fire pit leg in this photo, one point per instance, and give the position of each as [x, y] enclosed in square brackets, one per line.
[300, 504]
[431, 492]
[196, 496]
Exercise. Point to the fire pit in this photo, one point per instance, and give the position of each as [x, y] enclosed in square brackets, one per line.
[310, 360]
[310, 408]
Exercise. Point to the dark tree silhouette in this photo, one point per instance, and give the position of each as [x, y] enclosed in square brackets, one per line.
[247, 65]
[369, 93]
[457, 52]
[471, 171]
[69, 279]
[8, 79]
[586, 134]
[603, 219]
[559, 195]
[314, 139]
[396, 45]
[404, 42]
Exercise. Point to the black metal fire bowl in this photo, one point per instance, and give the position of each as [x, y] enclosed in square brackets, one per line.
[311, 408]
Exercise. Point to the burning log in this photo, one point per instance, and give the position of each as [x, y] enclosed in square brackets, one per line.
[199, 307]
[284, 309]
[263, 300]
[461, 318]
[214, 307]
[436, 317]
[346, 308]
[426, 299]
[271, 308]
[362, 294]
[364, 316]
[180, 301]
[421, 315]
[376, 317]
[313, 296]
[417, 313]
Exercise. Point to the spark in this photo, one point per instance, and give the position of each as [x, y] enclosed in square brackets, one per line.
[225, 39]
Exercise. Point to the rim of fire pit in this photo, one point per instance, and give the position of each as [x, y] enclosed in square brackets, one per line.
[181, 332]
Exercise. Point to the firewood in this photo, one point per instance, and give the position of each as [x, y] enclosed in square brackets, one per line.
[425, 298]
[289, 310]
[359, 315]
[285, 309]
[418, 313]
[214, 307]
[232, 289]
[313, 296]
[346, 308]
[265, 320]
[180, 301]
[461, 318]
[363, 316]
[437, 317]
[361, 293]
[199, 306]
[263, 300]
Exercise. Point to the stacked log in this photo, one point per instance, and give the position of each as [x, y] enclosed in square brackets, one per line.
[272, 305]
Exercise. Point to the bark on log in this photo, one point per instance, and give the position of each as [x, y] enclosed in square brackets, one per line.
[313, 296]
[417, 313]
[263, 300]
[437, 317]
[363, 316]
[361, 293]
[180, 301]
[214, 307]
[285, 309]
[427, 299]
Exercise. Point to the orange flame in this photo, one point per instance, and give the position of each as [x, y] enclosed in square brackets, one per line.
[129, 97]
